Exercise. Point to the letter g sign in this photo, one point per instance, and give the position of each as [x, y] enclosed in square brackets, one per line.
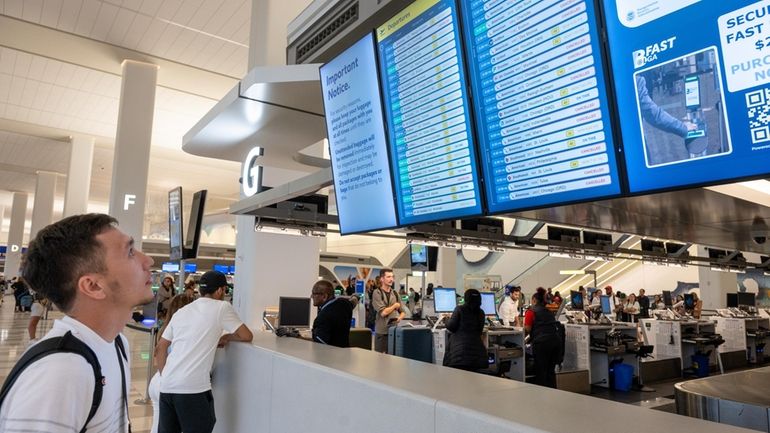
[251, 174]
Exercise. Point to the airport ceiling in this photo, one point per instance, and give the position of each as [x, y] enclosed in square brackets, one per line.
[60, 76]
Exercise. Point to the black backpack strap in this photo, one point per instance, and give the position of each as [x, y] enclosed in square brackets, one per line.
[121, 353]
[67, 343]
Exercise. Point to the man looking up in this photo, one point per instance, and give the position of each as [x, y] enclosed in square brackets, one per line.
[89, 268]
[193, 334]
[386, 304]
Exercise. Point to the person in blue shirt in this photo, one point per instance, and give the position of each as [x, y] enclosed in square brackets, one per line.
[658, 117]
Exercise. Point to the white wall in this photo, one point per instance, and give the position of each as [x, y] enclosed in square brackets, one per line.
[653, 279]
[384, 249]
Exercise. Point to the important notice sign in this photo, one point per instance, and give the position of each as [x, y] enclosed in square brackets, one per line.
[426, 104]
[357, 144]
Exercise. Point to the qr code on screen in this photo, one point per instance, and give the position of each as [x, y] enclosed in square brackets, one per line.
[758, 104]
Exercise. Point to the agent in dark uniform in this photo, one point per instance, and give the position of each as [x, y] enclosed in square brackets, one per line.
[541, 326]
[466, 351]
[332, 324]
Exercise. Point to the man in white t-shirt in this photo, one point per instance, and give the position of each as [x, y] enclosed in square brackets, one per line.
[509, 308]
[90, 270]
[193, 334]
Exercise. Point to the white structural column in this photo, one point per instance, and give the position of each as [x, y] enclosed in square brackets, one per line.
[15, 235]
[132, 147]
[446, 268]
[79, 175]
[42, 209]
[714, 285]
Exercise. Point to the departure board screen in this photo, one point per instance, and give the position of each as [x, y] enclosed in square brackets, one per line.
[541, 102]
[426, 106]
[357, 144]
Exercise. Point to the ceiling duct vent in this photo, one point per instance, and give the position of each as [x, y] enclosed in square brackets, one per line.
[317, 37]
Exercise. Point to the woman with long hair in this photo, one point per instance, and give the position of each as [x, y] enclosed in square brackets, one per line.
[540, 324]
[465, 349]
[176, 304]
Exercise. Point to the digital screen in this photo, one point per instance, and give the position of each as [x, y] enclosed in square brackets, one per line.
[294, 312]
[175, 234]
[231, 269]
[541, 103]
[689, 301]
[576, 299]
[419, 256]
[445, 300]
[426, 106]
[605, 302]
[191, 267]
[732, 300]
[170, 267]
[357, 144]
[667, 300]
[693, 90]
[488, 303]
[746, 298]
[220, 268]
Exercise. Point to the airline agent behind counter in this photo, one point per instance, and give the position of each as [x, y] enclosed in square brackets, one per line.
[332, 324]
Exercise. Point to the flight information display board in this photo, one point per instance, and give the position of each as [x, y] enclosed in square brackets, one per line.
[541, 102]
[426, 105]
[693, 85]
[357, 144]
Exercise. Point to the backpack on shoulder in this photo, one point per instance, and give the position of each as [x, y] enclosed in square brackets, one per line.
[67, 343]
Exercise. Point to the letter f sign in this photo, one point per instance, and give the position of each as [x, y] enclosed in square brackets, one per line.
[128, 200]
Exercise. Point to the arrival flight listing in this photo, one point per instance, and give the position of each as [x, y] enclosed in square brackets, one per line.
[693, 85]
[426, 105]
[541, 102]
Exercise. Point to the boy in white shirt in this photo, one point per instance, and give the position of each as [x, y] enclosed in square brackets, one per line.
[193, 334]
[90, 270]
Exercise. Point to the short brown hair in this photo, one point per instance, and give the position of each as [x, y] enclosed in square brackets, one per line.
[383, 271]
[63, 252]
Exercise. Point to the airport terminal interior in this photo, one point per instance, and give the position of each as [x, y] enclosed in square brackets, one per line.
[583, 147]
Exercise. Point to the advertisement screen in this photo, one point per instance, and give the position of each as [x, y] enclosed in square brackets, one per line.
[426, 105]
[692, 80]
[357, 143]
[541, 107]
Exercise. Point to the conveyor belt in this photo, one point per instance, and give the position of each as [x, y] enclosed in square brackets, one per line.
[739, 399]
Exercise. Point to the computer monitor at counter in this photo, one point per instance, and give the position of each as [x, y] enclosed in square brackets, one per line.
[445, 299]
[576, 299]
[488, 304]
[294, 312]
[606, 305]
[747, 299]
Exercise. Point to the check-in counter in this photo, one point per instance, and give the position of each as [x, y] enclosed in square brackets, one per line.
[745, 335]
[282, 385]
[580, 354]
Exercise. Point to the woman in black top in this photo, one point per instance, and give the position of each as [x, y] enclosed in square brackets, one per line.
[466, 350]
[541, 326]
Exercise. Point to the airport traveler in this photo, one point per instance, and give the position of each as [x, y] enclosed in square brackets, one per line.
[584, 297]
[631, 309]
[20, 292]
[465, 349]
[644, 304]
[510, 307]
[696, 308]
[429, 291]
[679, 305]
[37, 311]
[189, 289]
[557, 299]
[387, 305]
[90, 270]
[542, 328]
[658, 303]
[332, 324]
[165, 293]
[193, 334]
[153, 390]
[596, 299]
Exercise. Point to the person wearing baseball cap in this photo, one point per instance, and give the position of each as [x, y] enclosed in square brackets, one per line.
[192, 335]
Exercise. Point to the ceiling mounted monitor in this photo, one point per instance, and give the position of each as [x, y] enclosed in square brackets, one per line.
[541, 103]
[562, 234]
[426, 100]
[692, 91]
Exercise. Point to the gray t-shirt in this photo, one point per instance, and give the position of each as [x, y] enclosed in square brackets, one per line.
[381, 300]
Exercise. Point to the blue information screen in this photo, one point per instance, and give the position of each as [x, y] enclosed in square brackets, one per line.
[541, 102]
[357, 143]
[426, 106]
[693, 85]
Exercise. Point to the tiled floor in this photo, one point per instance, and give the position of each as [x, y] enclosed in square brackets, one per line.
[14, 340]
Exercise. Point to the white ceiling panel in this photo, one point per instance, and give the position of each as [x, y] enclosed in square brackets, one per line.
[68, 16]
[32, 10]
[51, 11]
[104, 21]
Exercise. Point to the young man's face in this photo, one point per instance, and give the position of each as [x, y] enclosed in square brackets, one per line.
[515, 295]
[127, 271]
[387, 279]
